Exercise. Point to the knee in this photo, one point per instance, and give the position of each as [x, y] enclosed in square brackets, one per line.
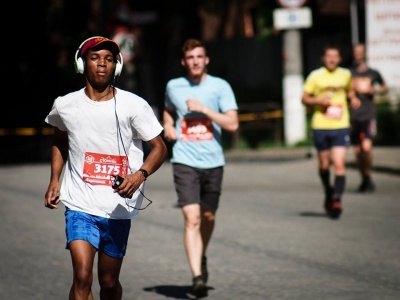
[324, 162]
[108, 282]
[192, 219]
[192, 222]
[110, 288]
[367, 145]
[340, 169]
[208, 216]
[324, 165]
[83, 278]
[367, 150]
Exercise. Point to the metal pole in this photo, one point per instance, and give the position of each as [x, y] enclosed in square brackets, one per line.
[354, 21]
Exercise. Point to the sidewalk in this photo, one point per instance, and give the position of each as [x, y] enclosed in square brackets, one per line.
[385, 159]
[28, 149]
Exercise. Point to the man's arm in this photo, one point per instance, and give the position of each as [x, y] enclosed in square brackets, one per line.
[169, 126]
[381, 89]
[155, 158]
[59, 154]
[308, 99]
[228, 120]
[355, 103]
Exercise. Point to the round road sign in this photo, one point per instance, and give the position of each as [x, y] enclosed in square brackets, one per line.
[291, 3]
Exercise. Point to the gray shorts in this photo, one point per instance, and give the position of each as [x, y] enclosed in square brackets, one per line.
[195, 185]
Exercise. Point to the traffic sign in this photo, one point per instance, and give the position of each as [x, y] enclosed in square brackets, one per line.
[292, 18]
[291, 3]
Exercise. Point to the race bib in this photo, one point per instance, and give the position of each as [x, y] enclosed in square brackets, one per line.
[334, 111]
[196, 129]
[362, 84]
[98, 167]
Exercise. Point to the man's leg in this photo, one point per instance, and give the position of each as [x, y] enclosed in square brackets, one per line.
[109, 269]
[357, 136]
[364, 155]
[367, 156]
[339, 166]
[359, 158]
[367, 184]
[324, 174]
[192, 237]
[82, 256]
[206, 229]
[194, 246]
[206, 226]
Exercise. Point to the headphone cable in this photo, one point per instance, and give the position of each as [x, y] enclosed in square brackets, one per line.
[119, 134]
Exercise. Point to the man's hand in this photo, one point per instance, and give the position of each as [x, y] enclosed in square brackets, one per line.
[194, 105]
[130, 184]
[170, 132]
[355, 103]
[51, 198]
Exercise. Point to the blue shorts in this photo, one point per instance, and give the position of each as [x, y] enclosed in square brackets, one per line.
[362, 130]
[107, 235]
[195, 185]
[325, 139]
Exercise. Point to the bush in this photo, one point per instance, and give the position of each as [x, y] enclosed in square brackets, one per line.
[388, 125]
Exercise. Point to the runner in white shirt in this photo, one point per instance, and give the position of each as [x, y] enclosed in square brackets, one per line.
[99, 132]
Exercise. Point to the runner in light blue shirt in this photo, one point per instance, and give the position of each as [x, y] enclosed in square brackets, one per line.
[200, 147]
[197, 108]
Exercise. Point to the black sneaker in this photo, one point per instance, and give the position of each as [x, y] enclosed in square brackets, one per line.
[366, 186]
[336, 210]
[204, 271]
[369, 187]
[199, 286]
[362, 187]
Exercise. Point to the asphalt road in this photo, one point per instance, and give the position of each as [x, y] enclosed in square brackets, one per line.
[272, 239]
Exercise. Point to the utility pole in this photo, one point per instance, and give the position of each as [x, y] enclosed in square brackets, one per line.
[290, 19]
[354, 22]
[294, 110]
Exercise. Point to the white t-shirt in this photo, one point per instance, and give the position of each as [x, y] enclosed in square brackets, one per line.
[101, 135]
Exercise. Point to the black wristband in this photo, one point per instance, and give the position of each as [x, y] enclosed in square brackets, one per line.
[145, 173]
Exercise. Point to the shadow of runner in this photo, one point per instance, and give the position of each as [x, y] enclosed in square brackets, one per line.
[317, 215]
[174, 291]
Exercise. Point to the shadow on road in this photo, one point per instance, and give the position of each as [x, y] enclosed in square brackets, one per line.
[174, 291]
[313, 214]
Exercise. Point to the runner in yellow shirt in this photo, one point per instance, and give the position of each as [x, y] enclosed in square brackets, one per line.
[327, 90]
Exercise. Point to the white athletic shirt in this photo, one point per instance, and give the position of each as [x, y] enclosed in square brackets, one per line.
[98, 132]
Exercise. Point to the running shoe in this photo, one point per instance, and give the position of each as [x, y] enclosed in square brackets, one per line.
[336, 209]
[370, 187]
[199, 287]
[366, 187]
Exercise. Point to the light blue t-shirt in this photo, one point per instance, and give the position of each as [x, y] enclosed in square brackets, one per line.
[199, 140]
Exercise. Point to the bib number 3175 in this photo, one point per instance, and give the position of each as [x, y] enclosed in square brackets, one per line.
[98, 168]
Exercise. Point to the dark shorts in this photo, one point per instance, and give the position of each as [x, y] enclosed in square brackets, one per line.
[107, 235]
[362, 130]
[201, 186]
[325, 139]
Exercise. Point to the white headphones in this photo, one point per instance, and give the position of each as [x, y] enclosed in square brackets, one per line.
[80, 64]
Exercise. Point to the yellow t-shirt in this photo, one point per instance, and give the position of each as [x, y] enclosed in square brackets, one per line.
[336, 84]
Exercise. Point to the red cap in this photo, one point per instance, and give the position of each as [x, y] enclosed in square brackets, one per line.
[96, 41]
